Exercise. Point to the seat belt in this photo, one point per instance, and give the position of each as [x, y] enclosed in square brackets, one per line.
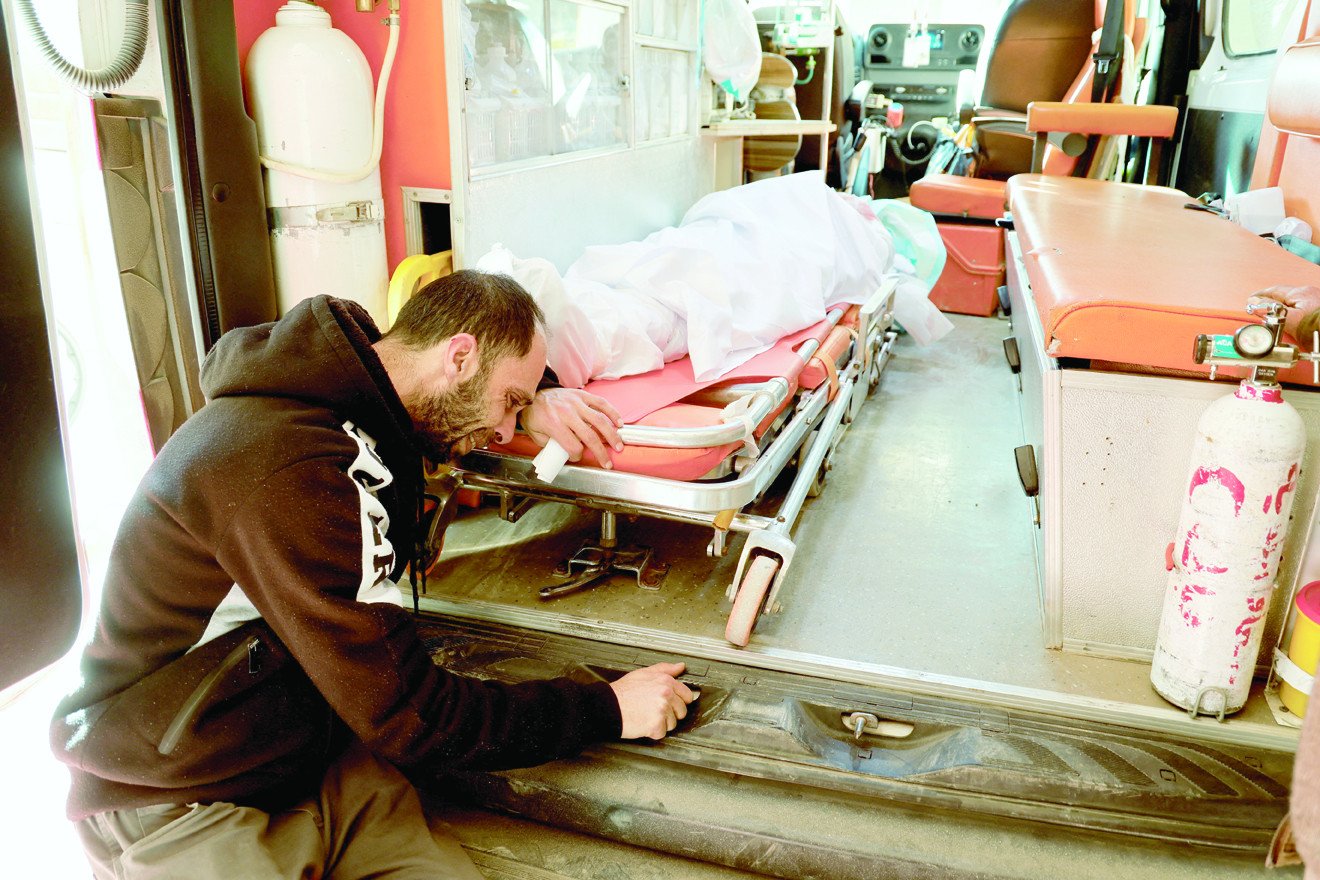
[1109, 52]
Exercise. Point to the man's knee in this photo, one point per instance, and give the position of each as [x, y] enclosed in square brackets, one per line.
[216, 840]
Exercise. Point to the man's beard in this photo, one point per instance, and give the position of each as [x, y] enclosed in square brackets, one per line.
[442, 422]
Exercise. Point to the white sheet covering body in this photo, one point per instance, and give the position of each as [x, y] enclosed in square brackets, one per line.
[745, 267]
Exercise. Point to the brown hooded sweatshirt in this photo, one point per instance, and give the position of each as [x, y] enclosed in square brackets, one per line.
[250, 626]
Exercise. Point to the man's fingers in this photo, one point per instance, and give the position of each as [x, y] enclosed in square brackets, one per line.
[572, 445]
[605, 428]
[590, 437]
[604, 406]
[677, 706]
[652, 700]
[1289, 296]
[596, 430]
[590, 430]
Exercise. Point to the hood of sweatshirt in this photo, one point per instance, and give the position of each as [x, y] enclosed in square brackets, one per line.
[320, 354]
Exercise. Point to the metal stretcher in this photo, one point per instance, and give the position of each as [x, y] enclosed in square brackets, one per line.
[703, 458]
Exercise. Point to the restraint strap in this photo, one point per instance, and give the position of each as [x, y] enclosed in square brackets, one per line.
[1109, 52]
[831, 373]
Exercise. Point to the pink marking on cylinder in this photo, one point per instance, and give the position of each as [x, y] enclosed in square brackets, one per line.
[1266, 508]
[1243, 631]
[1190, 562]
[1225, 478]
[1285, 489]
[1189, 593]
[1246, 391]
[1266, 552]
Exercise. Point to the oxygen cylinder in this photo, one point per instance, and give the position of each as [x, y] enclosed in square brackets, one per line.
[1244, 474]
[310, 90]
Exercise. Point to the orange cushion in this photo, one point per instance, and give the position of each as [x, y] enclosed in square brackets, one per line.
[1125, 273]
[674, 464]
[961, 196]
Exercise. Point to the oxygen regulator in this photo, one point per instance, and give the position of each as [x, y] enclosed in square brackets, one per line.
[1257, 346]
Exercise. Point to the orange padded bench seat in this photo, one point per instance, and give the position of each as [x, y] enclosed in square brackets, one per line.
[959, 196]
[1127, 274]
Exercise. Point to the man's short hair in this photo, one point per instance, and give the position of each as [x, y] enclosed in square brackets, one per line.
[495, 309]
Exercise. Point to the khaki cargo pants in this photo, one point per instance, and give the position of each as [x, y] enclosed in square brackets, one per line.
[366, 821]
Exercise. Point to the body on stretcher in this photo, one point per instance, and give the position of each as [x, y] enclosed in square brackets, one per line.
[705, 457]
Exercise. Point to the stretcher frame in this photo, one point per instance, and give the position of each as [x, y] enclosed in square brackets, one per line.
[718, 503]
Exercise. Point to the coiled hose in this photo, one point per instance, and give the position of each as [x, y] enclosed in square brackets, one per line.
[109, 78]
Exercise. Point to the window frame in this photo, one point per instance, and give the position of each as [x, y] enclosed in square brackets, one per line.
[1226, 30]
[687, 43]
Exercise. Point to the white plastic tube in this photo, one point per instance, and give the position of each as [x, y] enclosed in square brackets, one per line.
[550, 461]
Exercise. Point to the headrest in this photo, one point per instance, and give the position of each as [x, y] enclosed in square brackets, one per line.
[1294, 104]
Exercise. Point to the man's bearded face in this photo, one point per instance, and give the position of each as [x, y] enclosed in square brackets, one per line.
[452, 424]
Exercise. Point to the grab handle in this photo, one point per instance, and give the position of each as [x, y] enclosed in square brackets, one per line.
[1012, 354]
[1025, 457]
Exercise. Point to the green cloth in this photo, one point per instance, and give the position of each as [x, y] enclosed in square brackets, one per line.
[915, 237]
[1301, 247]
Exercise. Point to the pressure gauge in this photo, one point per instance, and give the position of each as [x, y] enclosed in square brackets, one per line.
[1253, 340]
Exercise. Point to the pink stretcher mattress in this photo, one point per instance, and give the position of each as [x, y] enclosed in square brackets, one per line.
[652, 399]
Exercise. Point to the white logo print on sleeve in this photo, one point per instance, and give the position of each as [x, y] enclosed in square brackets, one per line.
[370, 475]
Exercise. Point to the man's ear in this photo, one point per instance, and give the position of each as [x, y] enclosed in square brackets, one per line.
[461, 359]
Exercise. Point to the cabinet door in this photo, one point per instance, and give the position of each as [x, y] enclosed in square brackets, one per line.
[1038, 374]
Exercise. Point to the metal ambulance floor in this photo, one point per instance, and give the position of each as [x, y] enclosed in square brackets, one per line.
[916, 563]
[508, 848]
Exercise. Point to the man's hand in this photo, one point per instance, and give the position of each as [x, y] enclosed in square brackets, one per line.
[1303, 309]
[578, 420]
[652, 700]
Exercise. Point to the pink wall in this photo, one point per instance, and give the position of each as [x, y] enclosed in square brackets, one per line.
[416, 147]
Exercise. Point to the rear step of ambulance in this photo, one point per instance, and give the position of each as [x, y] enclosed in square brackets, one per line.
[794, 776]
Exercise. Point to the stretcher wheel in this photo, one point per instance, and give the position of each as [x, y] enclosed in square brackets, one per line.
[817, 487]
[873, 379]
[749, 601]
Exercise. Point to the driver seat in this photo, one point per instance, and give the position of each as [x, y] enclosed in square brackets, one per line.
[965, 208]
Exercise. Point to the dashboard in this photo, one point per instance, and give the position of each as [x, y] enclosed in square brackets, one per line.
[924, 80]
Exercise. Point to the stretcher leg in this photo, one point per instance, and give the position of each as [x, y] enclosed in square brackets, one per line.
[753, 595]
[593, 563]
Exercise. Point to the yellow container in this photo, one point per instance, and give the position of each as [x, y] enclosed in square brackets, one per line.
[1304, 646]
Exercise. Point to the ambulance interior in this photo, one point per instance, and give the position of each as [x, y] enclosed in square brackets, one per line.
[961, 610]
